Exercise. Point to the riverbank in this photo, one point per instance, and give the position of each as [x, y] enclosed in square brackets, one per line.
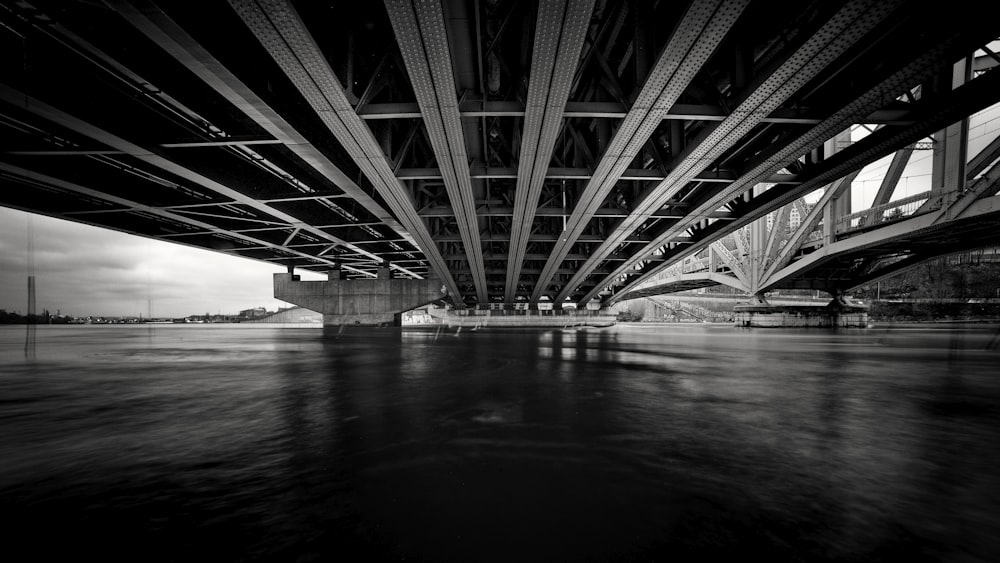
[933, 311]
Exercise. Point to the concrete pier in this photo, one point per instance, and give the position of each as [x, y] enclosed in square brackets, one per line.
[471, 318]
[359, 302]
[841, 312]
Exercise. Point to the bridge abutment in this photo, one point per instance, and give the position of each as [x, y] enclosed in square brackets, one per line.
[840, 312]
[358, 302]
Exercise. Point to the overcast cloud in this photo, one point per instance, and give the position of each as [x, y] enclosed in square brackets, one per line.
[82, 270]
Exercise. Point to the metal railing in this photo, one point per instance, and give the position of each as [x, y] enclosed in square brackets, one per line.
[686, 266]
[581, 312]
[892, 211]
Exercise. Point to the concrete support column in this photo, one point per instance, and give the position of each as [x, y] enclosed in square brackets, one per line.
[360, 302]
[840, 312]
[337, 272]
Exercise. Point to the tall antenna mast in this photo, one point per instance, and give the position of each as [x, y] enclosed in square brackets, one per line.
[29, 337]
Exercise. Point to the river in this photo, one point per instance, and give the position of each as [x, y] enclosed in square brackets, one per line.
[636, 442]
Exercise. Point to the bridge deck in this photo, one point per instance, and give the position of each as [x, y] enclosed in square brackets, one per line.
[516, 150]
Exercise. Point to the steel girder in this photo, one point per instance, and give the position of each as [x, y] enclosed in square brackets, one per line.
[560, 31]
[162, 30]
[615, 110]
[55, 115]
[784, 257]
[968, 99]
[227, 197]
[132, 205]
[422, 35]
[892, 176]
[280, 29]
[974, 96]
[696, 37]
[682, 282]
[938, 237]
[735, 92]
[840, 33]
[922, 120]
[554, 173]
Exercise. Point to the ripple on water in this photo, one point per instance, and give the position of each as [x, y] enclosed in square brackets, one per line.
[644, 444]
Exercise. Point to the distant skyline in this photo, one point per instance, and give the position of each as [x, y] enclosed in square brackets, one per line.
[82, 270]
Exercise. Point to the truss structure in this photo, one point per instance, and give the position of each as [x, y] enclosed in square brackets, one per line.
[564, 150]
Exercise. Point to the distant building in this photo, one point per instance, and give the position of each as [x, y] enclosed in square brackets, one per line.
[794, 219]
[253, 313]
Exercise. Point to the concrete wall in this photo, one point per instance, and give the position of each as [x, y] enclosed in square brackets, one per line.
[293, 315]
[667, 308]
[367, 302]
[799, 317]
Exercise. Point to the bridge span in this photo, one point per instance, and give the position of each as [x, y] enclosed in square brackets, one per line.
[839, 256]
[513, 152]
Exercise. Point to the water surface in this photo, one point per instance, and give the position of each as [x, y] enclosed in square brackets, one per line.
[644, 442]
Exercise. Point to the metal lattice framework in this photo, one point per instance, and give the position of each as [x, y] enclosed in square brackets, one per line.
[567, 150]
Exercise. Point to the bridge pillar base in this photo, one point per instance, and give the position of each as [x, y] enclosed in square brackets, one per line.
[372, 302]
[377, 319]
[839, 313]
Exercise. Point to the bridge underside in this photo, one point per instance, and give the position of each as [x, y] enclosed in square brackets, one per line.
[517, 151]
[682, 282]
[867, 256]
[863, 259]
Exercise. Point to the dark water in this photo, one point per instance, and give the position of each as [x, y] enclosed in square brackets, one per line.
[682, 442]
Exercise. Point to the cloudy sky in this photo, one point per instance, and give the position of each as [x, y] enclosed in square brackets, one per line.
[82, 270]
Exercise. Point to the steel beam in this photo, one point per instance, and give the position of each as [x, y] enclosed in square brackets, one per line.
[560, 29]
[892, 175]
[989, 154]
[851, 113]
[985, 185]
[899, 230]
[697, 35]
[947, 108]
[423, 40]
[772, 247]
[63, 119]
[682, 282]
[920, 68]
[948, 176]
[131, 206]
[841, 32]
[602, 110]
[162, 30]
[785, 255]
[281, 31]
[733, 262]
[478, 171]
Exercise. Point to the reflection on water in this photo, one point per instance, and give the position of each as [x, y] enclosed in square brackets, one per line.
[641, 442]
